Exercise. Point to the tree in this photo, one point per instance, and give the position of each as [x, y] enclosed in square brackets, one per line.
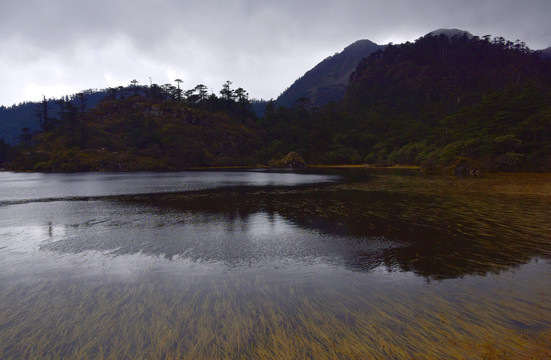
[61, 112]
[71, 120]
[81, 96]
[202, 91]
[113, 93]
[134, 84]
[155, 92]
[122, 92]
[226, 92]
[26, 136]
[42, 114]
[179, 91]
[169, 90]
[241, 95]
[191, 97]
[4, 151]
[243, 101]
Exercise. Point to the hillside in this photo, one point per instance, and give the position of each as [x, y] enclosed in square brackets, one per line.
[327, 81]
[440, 98]
[459, 102]
[438, 102]
[144, 133]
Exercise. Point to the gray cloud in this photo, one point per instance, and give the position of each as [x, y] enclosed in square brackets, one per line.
[59, 46]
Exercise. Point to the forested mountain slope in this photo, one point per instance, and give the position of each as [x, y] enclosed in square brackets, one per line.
[443, 97]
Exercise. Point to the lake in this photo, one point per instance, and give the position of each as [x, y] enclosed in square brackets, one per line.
[317, 264]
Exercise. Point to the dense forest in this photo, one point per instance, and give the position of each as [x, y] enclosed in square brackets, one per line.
[439, 98]
[143, 128]
[435, 102]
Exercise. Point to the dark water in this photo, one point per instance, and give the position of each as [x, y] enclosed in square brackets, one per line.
[260, 264]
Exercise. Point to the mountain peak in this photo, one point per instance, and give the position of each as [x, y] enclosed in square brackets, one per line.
[327, 81]
[451, 33]
[360, 43]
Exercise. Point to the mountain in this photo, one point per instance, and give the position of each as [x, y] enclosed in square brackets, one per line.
[14, 118]
[327, 81]
[450, 33]
[440, 98]
[444, 101]
[458, 102]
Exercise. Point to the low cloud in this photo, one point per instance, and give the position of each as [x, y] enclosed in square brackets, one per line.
[63, 46]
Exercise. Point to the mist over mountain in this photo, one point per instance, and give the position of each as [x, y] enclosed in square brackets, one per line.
[327, 81]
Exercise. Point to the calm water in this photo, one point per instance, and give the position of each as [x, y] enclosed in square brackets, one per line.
[263, 264]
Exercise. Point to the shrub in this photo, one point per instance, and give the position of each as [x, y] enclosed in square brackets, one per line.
[42, 166]
[291, 160]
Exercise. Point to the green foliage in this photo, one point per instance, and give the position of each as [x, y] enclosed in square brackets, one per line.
[412, 154]
[292, 160]
[342, 155]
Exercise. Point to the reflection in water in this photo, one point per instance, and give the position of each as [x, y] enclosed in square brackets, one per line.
[235, 236]
[332, 272]
[436, 236]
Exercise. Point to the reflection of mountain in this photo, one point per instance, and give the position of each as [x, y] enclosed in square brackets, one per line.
[434, 236]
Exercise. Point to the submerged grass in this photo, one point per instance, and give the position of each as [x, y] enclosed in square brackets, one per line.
[235, 318]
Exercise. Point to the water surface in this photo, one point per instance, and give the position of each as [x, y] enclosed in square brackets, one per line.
[254, 264]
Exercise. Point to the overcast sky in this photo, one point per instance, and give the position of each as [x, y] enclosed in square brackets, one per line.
[57, 47]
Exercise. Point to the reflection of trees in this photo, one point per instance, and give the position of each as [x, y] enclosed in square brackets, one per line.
[434, 236]
[439, 237]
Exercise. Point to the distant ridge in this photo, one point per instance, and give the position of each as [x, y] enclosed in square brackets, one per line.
[16, 117]
[546, 53]
[327, 81]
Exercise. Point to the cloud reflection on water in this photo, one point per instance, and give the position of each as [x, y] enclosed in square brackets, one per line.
[357, 227]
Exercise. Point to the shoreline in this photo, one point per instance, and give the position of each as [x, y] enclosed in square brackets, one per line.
[244, 167]
[236, 167]
[365, 166]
